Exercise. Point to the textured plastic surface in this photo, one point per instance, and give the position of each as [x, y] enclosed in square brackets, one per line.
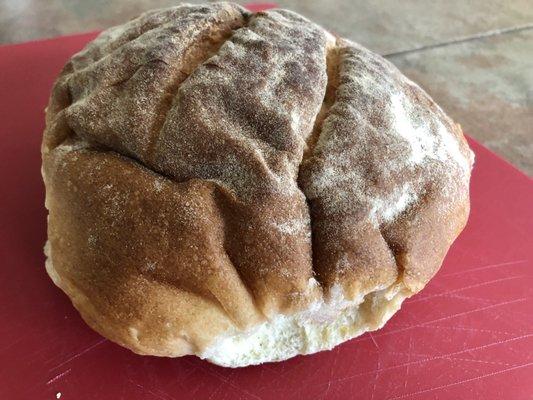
[469, 334]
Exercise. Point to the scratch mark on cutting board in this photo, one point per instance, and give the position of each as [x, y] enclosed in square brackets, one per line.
[468, 298]
[229, 382]
[59, 376]
[11, 344]
[473, 330]
[403, 353]
[410, 352]
[427, 356]
[480, 361]
[145, 389]
[373, 340]
[431, 389]
[85, 351]
[222, 382]
[503, 303]
[503, 264]
[376, 376]
[439, 357]
[447, 317]
[331, 371]
[448, 292]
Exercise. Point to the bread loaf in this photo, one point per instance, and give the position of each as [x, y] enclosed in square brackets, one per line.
[244, 187]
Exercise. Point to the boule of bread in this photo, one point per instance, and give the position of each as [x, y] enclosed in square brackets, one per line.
[244, 187]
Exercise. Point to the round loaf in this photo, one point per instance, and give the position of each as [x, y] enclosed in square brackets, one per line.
[244, 187]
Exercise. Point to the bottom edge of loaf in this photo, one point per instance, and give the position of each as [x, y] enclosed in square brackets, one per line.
[322, 326]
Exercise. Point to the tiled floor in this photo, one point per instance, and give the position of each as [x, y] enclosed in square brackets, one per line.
[474, 57]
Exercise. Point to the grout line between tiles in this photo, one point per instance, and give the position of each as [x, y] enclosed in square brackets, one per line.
[494, 32]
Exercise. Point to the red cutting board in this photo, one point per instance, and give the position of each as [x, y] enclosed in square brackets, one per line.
[468, 335]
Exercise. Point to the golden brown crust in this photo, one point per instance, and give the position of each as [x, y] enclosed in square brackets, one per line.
[202, 165]
[387, 180]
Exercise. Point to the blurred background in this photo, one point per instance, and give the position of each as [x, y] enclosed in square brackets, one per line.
[475, 58]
